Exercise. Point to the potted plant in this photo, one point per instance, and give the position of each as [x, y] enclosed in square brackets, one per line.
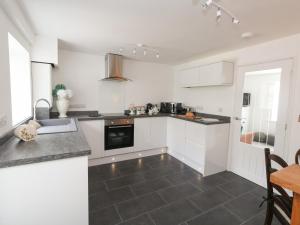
[63, 97]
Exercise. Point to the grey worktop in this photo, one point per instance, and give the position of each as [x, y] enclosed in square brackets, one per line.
[222, 119]
[45, 147]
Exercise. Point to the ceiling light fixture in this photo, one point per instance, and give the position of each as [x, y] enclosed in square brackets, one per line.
[208, 2]
[138, 49]
[219, 15]
[220, 10]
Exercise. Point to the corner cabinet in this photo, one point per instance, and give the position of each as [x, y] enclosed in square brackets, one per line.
[216, 74]
[94, 134]
[202, 147]
[150, 133]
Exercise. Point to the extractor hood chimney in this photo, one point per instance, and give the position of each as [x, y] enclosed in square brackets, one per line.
[113, 68]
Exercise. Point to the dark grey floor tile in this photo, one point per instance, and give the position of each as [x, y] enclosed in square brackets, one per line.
[105, 198]
[125, 180]
[210, 199]
[158, 172]
[206, 183]
[140, 167]
[96, 186]
[140, 220]
[150, 186]
[137, 206]
[260, 192]
[175, 213]
[183, 176]
[238, 187]
[178, 192]
[102, 172]
[218, 216]
[229, 176]
[107, 216]
[245, 206]
[260, 219]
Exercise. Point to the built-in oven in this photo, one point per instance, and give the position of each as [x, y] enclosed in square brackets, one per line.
[119, 133]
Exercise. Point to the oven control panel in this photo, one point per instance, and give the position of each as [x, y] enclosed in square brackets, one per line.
[117, 122]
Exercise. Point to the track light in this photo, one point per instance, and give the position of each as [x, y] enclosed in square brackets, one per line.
[145, 52]
[208, 2]
[134, 51]
[219, 15]
[235, 20]
[157, 55]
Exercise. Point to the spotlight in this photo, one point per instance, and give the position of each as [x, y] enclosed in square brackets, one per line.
[208, 2]
[235, 21]
[219, 15]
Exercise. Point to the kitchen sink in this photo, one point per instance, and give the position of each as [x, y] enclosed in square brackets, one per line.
[50, 126]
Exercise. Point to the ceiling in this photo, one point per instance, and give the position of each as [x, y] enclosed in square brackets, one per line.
[179, 29]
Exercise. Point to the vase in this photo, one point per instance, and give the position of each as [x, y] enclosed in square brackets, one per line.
[62, 105]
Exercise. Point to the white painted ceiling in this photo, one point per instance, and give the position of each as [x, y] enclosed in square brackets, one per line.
[179, 29]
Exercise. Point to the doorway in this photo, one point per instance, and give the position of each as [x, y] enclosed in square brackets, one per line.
[261, 117]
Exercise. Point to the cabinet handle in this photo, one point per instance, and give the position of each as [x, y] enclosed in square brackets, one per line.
[237, 118]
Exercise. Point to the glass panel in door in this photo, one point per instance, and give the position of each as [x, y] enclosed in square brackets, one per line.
[259, 114]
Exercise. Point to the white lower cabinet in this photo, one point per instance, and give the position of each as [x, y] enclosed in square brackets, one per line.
[94, 134]
[150, 133]
[202, 147]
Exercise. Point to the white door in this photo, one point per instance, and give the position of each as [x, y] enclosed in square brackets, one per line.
[260, 117]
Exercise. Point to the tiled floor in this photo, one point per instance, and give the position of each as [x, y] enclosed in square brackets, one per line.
[160, 190]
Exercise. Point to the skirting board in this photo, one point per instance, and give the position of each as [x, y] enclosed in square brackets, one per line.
[128, 156]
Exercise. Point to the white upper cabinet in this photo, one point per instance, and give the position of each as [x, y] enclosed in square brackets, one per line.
[215, 74]
[189, 77]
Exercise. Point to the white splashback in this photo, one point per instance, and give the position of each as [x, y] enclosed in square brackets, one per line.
[82, 73]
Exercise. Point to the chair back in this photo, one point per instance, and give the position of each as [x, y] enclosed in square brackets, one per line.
[297, 157]
[270, 160]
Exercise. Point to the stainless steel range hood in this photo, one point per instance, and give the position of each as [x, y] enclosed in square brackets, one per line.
[113, 68]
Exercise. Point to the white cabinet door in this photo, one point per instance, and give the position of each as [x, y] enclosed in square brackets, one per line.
[216, 74]
[189, 77]
[94, 133]
[158, 132]
[176, 135]
[142, 134]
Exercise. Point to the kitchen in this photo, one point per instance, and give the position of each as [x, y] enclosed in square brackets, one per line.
[153, 135]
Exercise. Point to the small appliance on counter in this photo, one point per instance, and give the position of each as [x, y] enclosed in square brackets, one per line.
[172, 107]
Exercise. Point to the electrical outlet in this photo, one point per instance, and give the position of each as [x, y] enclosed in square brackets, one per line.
[3, 120]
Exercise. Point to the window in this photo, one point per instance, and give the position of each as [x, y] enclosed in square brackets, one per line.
[20, 81]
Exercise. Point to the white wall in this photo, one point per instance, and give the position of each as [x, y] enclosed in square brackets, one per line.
[5, 99]
[213, 98]
[82, 73]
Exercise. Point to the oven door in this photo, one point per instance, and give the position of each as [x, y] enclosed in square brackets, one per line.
[119, 136]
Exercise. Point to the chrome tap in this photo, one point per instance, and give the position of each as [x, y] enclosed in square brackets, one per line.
[35, 105]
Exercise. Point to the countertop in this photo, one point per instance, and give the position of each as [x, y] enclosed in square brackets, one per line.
[45, 147]
[222, 119]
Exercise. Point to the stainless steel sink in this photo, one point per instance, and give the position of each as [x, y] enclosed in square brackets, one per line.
[50, 126]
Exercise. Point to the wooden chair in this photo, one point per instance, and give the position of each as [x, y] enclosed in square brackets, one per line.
[297, 157]
[279, 204]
